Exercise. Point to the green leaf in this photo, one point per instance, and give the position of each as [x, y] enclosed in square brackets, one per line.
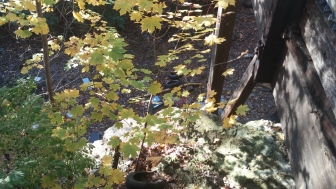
[168, 99]
[129, 150]
[154, 88]
[59, 132]
[138, 84]
[126, 64]
[118, 125]
[77, 111]
[126, 113]
[94, 102]
[96, 57]
[114, 141]
[150, 23]
[96, 116]
[81, 183]
[56, 118]
[49, 2]
[112, 95]
[95, 182]
[116, 53]
[242, 109]
[23, 33]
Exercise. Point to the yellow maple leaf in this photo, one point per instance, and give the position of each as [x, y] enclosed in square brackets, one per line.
[116, 176]
[185, 93]
[123, 5]
[228, 72]
[3, 20]
[54, 45]
[81, 4]
[78, 16]
[225, 3]
[213, 39]
[228, 122]
[107, 160]
[40, 26]
[211, 93]
[232, 101]
[29, 5]
[151, 23]
[136, 15]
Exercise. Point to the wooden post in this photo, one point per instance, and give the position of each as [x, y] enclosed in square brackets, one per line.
[243, 91]
[220, 52]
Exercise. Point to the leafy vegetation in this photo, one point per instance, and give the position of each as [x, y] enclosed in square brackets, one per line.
[46, 144]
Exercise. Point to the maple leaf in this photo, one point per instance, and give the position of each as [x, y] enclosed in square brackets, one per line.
[106, 110]
[150, 23]
[96, 57]
[81, 183]
[53, 44]
[56, 118]
[12, 17]
[211, 93]
[126, 64]
[154, 88]
[77, 111]
[225, 3]
[81, 4]
[116, 176]
[228, 72]
[114, 141]
[228, 122]
[49, 2]
[181, 70]
[3, 20]
[23, 33]
[242, 109]
[94, 181]
[126, 113]
[185, 93]
[40, 26]
[168, 99]
[194, 106]
[136, 15]
[221, 105]
[213, 39]
[59, 132]
[197, 71]
[112, 95]
[123, 5]
[145, 5]
[129, 150]
[232, 101]
[47, 181]
[138, 84]
[106, 160]
[78, 16]
[97, 116]
[118, 125]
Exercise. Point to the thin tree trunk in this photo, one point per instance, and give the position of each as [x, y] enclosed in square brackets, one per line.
[45, 56]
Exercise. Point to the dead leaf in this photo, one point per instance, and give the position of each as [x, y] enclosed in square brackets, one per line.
[155, 160]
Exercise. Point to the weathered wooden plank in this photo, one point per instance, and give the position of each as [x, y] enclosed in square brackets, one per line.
[306, 126]
[320, 41]
[302, 58]
[279, 14]
[220, 52]
[261, 13]
[243, 91]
